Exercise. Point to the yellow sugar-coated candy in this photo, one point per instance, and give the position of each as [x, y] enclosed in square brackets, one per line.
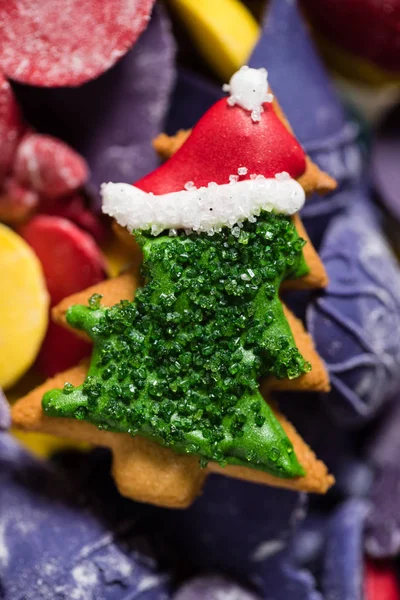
[224, 31]
[23, 306]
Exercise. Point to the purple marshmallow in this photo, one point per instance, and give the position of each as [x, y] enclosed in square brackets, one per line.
[60, 539]
[330, 543]
[243, 530]
[343, 563]
[355, 323]
[382, 538]
[383, 523]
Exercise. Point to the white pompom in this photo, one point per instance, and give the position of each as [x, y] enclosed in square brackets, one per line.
[248, 89]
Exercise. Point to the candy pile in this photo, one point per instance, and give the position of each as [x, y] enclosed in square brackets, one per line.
[42, 197]
[48, 187]
[84, 89]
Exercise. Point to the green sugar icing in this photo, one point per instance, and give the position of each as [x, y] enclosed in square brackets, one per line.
[181, 363]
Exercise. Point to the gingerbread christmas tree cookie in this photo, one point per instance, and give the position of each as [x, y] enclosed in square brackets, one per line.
[175, 372]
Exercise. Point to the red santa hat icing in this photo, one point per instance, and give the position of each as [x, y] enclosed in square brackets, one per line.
[238, 160]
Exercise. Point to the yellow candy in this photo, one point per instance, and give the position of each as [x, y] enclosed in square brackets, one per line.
[118, 256]
[224, 30]
[44, 445]
[23, 306]
[40, 444]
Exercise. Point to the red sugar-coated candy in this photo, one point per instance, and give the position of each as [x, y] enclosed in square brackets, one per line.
[11, 126]
[16, 202]
[49, 166]
[56, 43]
[223, 140]
[380, 581]
[74, 209]
[70, 258]
[61, 350]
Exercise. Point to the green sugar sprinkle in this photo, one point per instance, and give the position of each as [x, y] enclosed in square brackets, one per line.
[181, 363]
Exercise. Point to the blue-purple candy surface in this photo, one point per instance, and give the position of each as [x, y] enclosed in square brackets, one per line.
[341, 450]
[330, 543]
[193, 95]
[383, 523]
[58, 541]
[343, 564]
[241, 530]
[385, 162]
[356, 322]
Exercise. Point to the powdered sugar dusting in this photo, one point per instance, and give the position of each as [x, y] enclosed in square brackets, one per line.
[67, 42]
[206, 209]
[85, 575]
[267, 549]
[150, 581]
[4, 555]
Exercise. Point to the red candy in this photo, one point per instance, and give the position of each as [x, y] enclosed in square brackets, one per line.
[74, 209]
[70, 258]
[368, 28]
[11, 126]
[49, 166]
[61, 350]
[67, 42]
[225, 139]
[71, 262]
[16, 202]
[380, 581]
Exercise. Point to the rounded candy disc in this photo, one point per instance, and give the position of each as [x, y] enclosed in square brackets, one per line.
[70, 258]
[67, 42]
[380, 581]
[49, 166]
[61, 350]
[23, 306]
[365, 28]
